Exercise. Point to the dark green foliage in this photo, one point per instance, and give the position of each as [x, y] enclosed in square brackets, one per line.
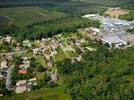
[67, 67]
[128, 17]
[40, 68]
[104, 74]
[50, 28]
[51, 84]
[16, 76]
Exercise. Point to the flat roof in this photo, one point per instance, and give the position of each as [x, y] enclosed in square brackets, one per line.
[111, 39]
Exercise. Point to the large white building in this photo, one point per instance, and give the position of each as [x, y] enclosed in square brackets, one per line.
[113, 40]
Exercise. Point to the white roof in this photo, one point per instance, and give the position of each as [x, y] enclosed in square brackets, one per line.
[96, 29]
[21, 82]
[89, 15]
[4, 64]
[112, 39]
[20, 89]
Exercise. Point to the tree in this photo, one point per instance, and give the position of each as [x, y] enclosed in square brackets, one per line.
[40, 68]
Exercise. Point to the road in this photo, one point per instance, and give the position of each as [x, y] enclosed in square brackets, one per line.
[12, 53]
[10, 69]
[8, 78]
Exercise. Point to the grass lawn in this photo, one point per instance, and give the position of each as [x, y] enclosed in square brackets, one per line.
[40, 75]
[60, 56]
[41, 60]
[23, 16]
[71, 53]
[42, 94]
[35, 44]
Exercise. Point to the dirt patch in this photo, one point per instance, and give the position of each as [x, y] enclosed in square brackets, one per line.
[116, 12]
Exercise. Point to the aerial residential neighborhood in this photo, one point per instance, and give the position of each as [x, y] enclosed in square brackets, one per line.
[112, 33]
[66, 50]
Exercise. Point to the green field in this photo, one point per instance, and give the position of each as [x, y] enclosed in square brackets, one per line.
[43, 94]
[23, 16]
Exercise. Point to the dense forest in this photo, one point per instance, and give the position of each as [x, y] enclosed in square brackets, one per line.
[101, 75]
[50, 28]
[72, 9]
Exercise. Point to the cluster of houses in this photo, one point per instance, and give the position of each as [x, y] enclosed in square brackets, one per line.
[5, 62]
[24, 66]
[25, 85]
[109, 33]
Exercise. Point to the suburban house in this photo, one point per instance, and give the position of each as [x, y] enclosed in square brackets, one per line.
[20, 89]
[20, 86]
[54, 76]
[22, 71]
[23, 66]
[8, 39]
[4, 64]
[26, 43]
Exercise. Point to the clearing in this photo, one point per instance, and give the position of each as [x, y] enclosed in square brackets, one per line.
[24, 16]
[116, 12]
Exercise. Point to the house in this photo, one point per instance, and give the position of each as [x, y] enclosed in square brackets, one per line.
[23, 71]
[78, 58]
[33, 80]
[95, 30]
[48, 58]
[36, 50]
[50, 64]
[21, 83]
[26, 62]
[77, 42]
[20, 89]
[17, 48]
[4, 64]
[26, 43]
[91, 49]
[24, 66]
[82, 49]
[25, 58]
[8, 39]
[47, 50]
[54, 76]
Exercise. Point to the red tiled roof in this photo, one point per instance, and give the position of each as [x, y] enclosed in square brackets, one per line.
[22, 71]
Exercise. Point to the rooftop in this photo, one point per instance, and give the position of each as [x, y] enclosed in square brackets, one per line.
[22, 71]
[111, 39]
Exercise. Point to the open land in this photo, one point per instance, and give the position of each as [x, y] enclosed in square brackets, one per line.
[24, 16]
[115, 12]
